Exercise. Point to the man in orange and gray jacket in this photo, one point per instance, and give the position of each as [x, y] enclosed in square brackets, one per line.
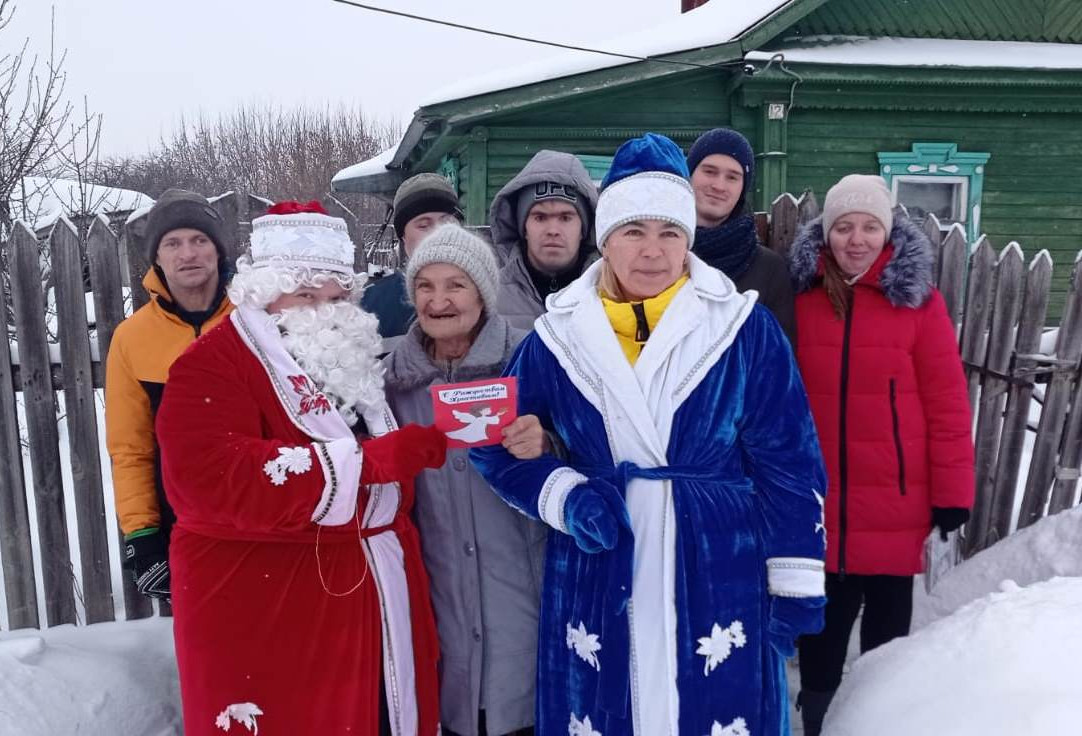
[186, 283]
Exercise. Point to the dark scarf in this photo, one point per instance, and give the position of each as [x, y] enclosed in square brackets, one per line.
[549, 284]
[730, 247]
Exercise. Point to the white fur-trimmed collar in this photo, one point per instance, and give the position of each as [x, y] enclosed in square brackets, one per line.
[640, 400]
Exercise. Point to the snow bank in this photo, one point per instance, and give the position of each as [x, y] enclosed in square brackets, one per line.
[114, 678]
[1006, 664]
[1051, 547]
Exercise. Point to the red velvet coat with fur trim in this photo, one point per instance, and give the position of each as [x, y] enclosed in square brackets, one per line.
[889, 398]
[262, 627]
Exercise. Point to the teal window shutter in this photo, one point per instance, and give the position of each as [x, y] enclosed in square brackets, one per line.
[937, 178]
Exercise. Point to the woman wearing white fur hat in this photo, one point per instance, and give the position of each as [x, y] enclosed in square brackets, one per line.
[685, 550]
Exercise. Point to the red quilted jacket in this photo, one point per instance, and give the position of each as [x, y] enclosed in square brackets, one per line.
[889, 398]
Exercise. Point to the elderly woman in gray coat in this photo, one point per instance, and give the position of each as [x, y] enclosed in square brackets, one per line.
[484, 560]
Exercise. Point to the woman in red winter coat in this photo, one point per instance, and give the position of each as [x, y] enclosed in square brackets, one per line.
[879, 358]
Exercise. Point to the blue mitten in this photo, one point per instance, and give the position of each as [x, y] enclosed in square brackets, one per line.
[791, 617]
[593, 514]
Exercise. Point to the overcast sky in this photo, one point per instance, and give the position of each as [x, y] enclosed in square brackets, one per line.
[144, 63]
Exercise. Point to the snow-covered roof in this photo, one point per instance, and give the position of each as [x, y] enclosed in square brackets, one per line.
[715, 23]
[928, 52]
[46, 200]
[374, 165]
[708, 25]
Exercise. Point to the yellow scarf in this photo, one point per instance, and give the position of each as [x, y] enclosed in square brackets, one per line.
[625, 323]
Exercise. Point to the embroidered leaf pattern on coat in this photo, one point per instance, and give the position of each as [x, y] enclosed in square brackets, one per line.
[585, 644]
[311, 399]
[717, 647]
[738, 727]
[821, 525]
[242, 713]
[296, 460]
[581, 728]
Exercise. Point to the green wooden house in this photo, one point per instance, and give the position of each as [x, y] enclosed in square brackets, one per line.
[971, 109]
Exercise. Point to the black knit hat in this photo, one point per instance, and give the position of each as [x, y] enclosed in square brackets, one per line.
[423, 193]
[178, 208]
[727, 142]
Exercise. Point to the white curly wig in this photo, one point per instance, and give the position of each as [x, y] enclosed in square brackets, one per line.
[257, 286]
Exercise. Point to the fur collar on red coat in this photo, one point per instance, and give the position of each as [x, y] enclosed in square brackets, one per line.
[907, 278]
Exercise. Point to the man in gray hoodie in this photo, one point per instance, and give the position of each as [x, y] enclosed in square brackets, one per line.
[543, 222]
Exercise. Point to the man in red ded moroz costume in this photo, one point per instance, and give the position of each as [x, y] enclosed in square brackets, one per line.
[300, 600]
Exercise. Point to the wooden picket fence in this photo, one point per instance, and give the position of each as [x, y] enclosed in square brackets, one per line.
[999, 311]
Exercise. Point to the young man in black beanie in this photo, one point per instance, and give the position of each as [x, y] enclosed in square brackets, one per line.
[543, 222]
[722, 166]
[421, 204]
[186, 283]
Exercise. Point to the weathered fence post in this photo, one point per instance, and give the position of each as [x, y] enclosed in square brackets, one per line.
[783, 223]
[1042, 469]
[978, 309]
[993, 393]
[952, 273]
[131, 240]
[1067, 469]
[40, 406]
[935, 237]
[229, 209]
[82, 422]
[1019, 396]
[808, 207]
[15, 549]
[103, 254]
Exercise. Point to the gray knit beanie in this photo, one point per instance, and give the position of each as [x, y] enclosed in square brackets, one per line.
[451, 243]
[179, 208]
[420, 194]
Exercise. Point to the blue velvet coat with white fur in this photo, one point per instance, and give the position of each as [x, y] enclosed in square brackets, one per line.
[710, 439]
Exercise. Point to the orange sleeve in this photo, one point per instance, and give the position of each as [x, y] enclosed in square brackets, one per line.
[129, 437]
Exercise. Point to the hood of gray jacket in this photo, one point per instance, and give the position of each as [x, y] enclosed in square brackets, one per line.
[409, 365]
[556, 166]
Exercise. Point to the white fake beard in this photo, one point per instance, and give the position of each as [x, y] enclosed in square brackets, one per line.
[337, 345]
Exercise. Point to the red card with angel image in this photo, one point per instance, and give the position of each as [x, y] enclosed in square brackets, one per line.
[472, 414]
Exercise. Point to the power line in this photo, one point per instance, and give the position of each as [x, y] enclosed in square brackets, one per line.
[527, 39]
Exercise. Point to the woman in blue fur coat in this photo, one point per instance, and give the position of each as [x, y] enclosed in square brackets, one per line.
[686, 548]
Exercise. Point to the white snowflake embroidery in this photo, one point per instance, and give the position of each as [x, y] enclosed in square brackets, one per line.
[738, 727]
[585, 644]
[295, 460]
[275, 472]
[242, 713]
[821, 525]
[582, 728]
[717, 647]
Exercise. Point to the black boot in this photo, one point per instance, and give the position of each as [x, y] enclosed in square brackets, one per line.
[813, 706]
